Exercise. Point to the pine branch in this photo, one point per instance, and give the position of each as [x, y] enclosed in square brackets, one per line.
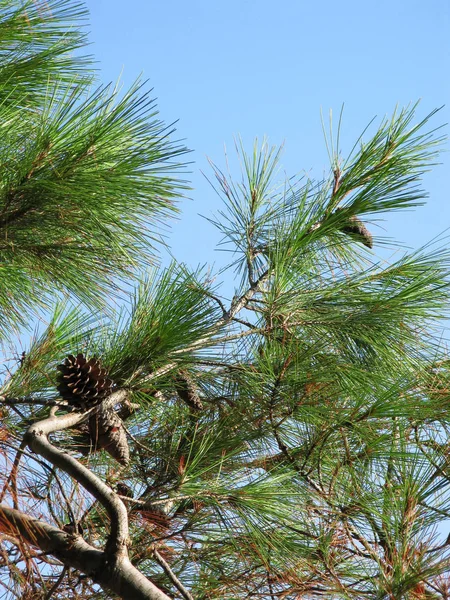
[72, 550]
[173, 578]
[37, 439]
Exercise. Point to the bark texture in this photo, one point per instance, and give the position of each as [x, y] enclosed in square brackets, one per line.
[110, 567]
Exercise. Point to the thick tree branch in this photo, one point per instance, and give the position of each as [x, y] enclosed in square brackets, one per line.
[116, 572]
[171, 575]
[123, 579]
[37, 439]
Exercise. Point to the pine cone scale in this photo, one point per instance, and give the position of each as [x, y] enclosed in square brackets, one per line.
[83, 381]
[106, 431]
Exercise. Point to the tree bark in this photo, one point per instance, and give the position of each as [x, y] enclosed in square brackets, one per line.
[121, 578]
[111, 567]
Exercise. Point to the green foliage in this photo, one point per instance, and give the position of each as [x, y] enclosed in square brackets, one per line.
[316, 462]
[85, 174]
[37, 48]
[170, 311]
[36, 375]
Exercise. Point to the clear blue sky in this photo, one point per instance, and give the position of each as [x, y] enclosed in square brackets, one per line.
[255, 68]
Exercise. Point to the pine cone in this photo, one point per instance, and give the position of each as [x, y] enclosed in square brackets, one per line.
[70, 528]
[187, 390]
[357, 228]
[83, 381]
[81, 438]
[107, 432]
[124, 490]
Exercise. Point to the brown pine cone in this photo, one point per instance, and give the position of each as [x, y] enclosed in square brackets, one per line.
[107, 432]
[187, 391]
[357, 228]
[83, 382]
[124, 490]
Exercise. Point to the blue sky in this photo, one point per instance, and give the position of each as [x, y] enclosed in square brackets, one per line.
[259, 68]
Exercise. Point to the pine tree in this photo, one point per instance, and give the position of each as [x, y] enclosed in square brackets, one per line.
[288, 442]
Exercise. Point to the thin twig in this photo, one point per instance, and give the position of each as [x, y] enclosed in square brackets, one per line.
[216, 299]
[56, 584]
[245, 323]
[12, 479]
[7, 401]
[171, 575]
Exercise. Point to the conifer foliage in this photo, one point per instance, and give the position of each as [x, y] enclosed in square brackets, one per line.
[285, 438]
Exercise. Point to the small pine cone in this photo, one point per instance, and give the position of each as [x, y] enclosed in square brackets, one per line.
[71, 528]
[107, 432]
[357, 228]
[187, 391]
[124, 490]
[83, 381]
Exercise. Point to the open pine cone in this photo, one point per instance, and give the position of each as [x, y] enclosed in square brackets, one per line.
[83, 381]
